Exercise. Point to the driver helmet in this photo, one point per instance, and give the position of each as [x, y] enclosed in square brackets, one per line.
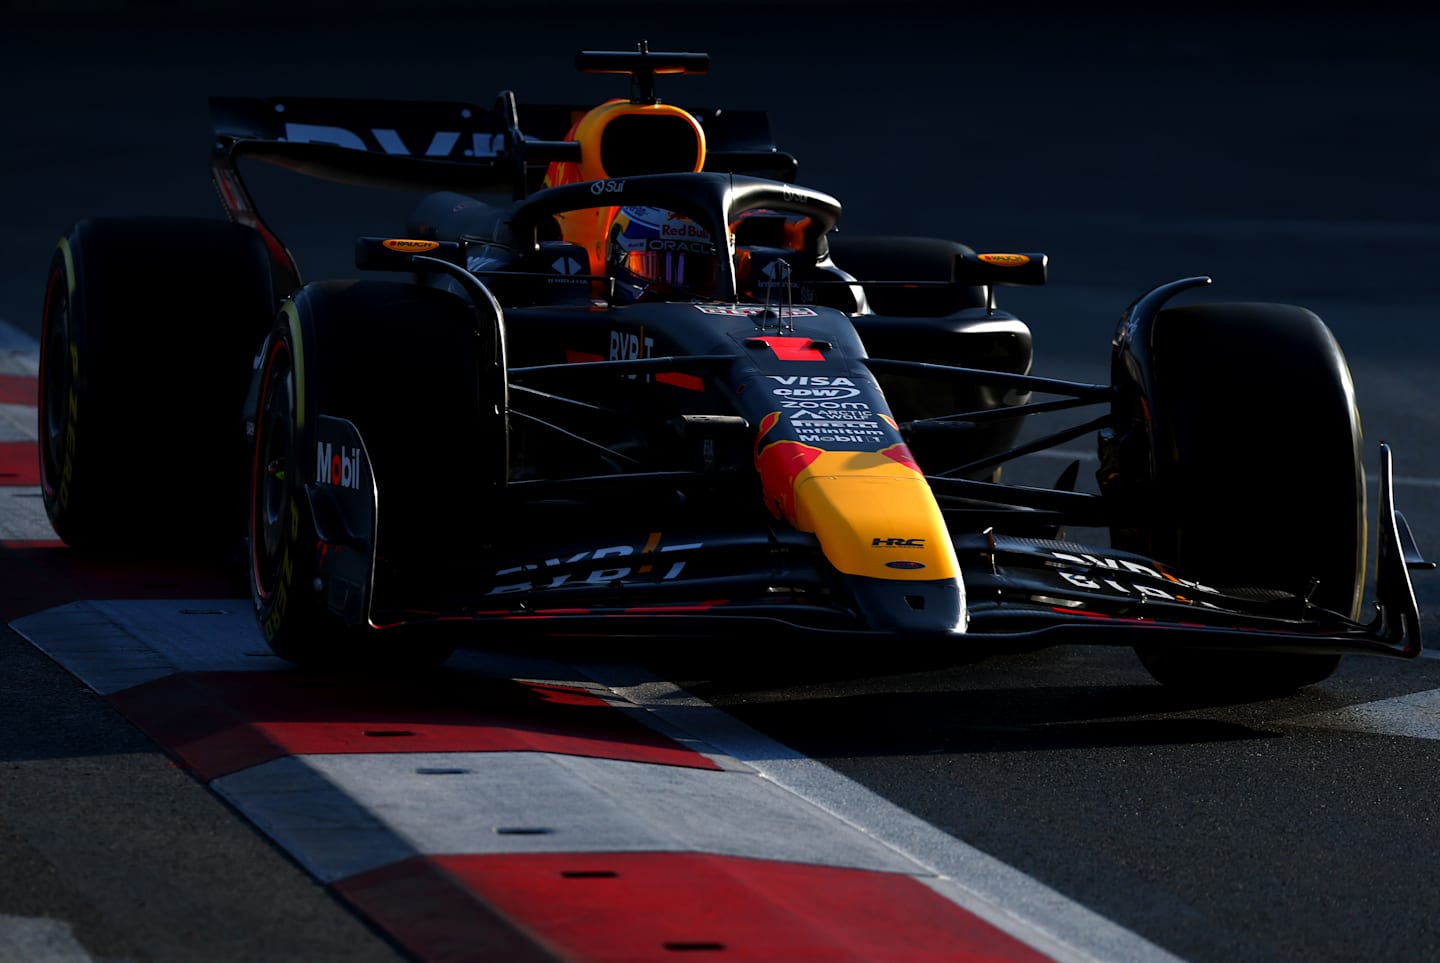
[657, 254]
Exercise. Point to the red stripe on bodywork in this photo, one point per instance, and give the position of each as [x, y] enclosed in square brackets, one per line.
[222, 722]
[672, 609]
[677, 380]
[626, 907]
[19, 390]
[19, 463]
[793, 349]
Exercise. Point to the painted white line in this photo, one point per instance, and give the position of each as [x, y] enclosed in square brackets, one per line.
[22, 514]
[992, 890]
[1416, 716]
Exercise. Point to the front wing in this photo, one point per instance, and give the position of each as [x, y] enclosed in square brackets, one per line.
[1021, 593]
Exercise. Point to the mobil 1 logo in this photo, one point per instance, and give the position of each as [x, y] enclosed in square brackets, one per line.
[340, 460]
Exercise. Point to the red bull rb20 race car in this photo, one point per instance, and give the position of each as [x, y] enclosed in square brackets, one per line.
[621, 374]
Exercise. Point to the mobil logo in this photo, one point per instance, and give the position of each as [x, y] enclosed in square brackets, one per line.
[338, 465]
[813, 386]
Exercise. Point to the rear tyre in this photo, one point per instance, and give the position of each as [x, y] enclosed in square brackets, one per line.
[402, 364]
[146, 341]
[1248, 473]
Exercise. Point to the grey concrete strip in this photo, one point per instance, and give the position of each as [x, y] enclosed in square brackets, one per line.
[343, 814]
[114, 645]
[1416, 715]
[322, 828]
[528, 802]
[91, 644]
[28, 940]
[17, 423]
[992, 890]
[22, 514]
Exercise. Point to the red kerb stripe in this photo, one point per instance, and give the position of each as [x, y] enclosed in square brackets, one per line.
[222, 722]
[18, 390]
[19, 463]
[626, 907]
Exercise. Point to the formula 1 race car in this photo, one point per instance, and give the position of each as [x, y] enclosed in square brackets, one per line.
[625, 377]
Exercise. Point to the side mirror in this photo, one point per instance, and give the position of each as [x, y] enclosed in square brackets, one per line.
[395, 253]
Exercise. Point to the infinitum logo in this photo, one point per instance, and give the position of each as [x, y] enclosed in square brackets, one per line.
[337, 466]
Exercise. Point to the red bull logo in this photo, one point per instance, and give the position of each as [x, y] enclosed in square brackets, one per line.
[780, 464]
[901, 453]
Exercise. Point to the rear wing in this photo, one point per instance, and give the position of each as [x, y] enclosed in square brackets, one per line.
[392, 143]
[453, 145]
[434, 145]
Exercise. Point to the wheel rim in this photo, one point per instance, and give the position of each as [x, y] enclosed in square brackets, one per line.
[56, 383]
[273, 478]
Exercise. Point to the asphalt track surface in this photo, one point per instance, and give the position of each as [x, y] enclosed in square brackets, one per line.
[1290, 158]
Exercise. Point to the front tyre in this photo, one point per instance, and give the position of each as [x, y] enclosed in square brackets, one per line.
[281, 531]
[401, 364]
[1244, 456]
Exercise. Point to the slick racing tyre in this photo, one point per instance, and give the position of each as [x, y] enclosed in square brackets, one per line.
[146, 342]
[401, 364]
[906, 259]
[1251, 476]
